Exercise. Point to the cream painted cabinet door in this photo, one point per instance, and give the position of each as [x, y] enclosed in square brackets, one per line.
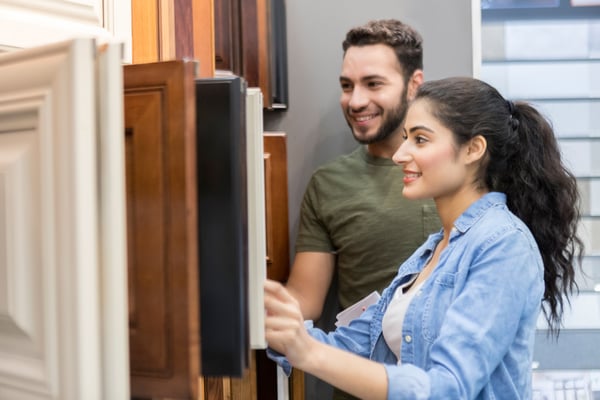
[30, 23]
[63, 322]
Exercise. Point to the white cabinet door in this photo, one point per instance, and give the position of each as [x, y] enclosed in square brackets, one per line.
[257, 236]
[29, 23]
[55, 251]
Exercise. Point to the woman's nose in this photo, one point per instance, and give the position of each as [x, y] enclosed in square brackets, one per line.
[400, 156]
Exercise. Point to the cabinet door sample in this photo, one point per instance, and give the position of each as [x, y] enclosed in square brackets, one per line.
[257, 246]
[222, 225]
[161, 214]
[52, 303]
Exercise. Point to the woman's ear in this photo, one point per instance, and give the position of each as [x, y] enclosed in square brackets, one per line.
[476, 148]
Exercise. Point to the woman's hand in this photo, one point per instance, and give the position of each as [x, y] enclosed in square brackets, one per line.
[285, 332]
[284, 325]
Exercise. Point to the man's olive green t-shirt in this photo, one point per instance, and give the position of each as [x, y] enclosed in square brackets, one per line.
[353, 207]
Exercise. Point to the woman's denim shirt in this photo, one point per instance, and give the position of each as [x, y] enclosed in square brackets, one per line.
[469, 331]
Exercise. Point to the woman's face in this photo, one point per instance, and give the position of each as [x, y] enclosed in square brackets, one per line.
[434, 166]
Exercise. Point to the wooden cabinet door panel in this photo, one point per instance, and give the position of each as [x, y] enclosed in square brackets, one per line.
[276, 203]
[161, 212]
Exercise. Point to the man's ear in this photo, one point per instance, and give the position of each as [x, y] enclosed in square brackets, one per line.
[414, 82]
[476, 149]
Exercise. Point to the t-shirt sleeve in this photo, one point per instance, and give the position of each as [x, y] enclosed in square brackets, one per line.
[313, 234]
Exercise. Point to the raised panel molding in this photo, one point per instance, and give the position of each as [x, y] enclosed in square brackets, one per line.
[51, 303]
[30, 23]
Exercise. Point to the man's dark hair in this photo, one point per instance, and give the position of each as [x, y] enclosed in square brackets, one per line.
[403, 39]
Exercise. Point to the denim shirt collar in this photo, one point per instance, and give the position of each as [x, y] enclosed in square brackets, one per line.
[477, 209]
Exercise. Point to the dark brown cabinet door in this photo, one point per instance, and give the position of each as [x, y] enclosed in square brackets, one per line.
[161, 234]
[250, 42]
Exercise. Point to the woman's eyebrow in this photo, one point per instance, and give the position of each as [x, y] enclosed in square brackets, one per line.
[420, 127]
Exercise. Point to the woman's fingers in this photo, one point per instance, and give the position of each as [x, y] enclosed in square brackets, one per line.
[284, 325]
[279, 303]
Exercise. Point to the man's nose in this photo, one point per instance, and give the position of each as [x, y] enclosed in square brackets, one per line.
[358, 99]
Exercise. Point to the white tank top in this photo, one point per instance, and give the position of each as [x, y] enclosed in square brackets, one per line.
[393, 318]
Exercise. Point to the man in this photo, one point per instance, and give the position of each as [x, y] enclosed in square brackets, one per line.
[354, 219]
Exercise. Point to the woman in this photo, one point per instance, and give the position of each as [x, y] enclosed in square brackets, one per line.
[459, 319]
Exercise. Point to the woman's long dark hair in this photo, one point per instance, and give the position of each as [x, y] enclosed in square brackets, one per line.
[523, 161]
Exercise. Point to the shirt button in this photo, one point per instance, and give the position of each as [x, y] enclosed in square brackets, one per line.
[407, 338]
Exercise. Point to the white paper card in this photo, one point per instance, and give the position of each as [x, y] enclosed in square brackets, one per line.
[355, 310]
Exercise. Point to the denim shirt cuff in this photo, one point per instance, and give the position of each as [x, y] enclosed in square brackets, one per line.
[280, 358]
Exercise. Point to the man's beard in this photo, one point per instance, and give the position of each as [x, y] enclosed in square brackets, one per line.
[393, 120]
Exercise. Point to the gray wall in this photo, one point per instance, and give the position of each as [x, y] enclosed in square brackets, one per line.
[314, 123]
